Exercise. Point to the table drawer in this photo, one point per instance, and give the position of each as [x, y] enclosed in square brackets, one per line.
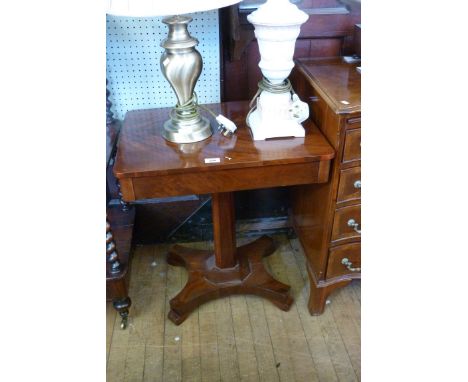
[350, 185]
[353, 122]
[352, 146]
[344, 260]
[347, 223]
[224, 180]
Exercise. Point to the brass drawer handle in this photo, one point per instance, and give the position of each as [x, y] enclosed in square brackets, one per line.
[352, 223]
[348, 264]
[357, 184]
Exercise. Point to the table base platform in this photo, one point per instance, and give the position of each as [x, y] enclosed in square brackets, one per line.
[207, 282]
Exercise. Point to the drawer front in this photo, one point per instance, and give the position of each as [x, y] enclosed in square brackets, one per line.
[223, 180]
[344, 260]
[347, 223]
[350, 185]
[352, 146]
[353, 122]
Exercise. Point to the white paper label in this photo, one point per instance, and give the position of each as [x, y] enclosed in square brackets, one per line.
[212, 160]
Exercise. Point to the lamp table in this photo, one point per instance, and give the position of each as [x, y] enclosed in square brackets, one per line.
[148, 166]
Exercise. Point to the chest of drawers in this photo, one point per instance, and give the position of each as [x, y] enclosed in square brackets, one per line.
[327, 217]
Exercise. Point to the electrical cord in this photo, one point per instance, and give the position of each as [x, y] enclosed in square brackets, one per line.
[265, 85]
[189, 111]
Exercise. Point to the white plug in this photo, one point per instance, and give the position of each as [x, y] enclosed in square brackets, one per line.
[226, 126]
[300, 110]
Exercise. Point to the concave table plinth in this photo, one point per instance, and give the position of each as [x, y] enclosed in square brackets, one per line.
[226, 270]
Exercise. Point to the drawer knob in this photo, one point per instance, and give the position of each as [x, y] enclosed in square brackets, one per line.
[314, 98]
[355, 225]
[348, 264]
[357, 184]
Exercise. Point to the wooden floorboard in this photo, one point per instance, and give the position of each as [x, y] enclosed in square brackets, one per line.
[172, 363]
[110, 323]
[301, 360]
[239, 338]
[247, 359]
[155, 269]
[311, 324]
[190, 341]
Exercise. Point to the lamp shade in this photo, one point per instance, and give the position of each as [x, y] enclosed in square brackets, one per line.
[150, 8]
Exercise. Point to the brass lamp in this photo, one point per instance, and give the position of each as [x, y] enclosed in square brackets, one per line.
[181, 63]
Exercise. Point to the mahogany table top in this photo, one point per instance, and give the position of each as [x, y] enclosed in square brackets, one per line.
[144, 152]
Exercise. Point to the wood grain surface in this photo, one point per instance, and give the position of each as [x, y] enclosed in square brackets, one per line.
[237, 338]
[144, 152]
[339, 83]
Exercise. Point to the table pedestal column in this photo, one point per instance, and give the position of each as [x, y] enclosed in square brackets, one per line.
[226, 270]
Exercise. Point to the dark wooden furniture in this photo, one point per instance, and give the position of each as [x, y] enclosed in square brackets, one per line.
[148, 166]
[119, 227]
[326, 216]
[329, 31]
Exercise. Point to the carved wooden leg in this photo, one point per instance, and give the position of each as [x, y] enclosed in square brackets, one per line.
[116, 274]
[227, 270]
[114, 266]
[319, 291]
[123, 203]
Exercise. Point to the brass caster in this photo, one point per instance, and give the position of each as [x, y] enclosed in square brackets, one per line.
[123, 324]
[121, 306]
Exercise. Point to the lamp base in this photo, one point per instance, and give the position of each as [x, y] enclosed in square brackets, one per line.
[187, 131]
[182, 64]
[262, 129]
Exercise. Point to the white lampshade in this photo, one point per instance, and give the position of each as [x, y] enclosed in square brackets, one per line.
[150, 8]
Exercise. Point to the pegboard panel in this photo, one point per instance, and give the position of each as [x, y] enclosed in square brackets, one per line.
[133, 52]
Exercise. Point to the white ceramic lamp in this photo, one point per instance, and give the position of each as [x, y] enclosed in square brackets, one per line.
[278, 111]
[181, 63]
